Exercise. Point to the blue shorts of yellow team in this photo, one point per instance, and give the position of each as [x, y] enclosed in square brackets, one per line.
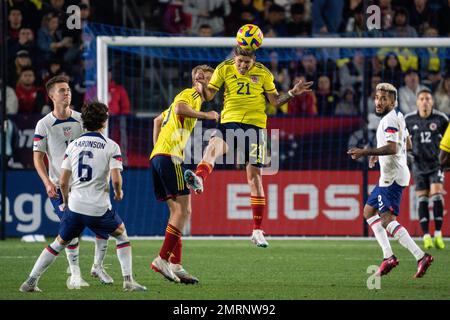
[386, 199]
[246, 138]
[168, 177]
[73, 223]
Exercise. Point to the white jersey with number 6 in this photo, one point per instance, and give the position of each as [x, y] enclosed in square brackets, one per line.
[52, 136]
[90, 158]
[394, 167]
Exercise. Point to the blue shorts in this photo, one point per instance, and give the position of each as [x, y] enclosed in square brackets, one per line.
[168, 178]
[73, 223]
[386, 199]
[249, 139]
[56, 202]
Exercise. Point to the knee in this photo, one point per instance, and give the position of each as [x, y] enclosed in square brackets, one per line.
[437, 197]
[187, 212]
[386, 219]
[119, 231]
[368, 213]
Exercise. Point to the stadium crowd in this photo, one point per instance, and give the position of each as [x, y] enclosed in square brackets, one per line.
[40, 46]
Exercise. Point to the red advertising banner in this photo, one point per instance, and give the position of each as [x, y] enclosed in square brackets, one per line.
[298, 203]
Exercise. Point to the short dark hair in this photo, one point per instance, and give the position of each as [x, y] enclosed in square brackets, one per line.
[94, 115]
[26, 68]
[238, 51]
[424, 90]
[57, 79]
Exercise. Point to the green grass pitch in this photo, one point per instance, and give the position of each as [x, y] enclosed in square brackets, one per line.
[236, 270]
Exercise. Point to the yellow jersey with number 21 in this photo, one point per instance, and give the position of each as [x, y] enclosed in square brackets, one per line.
[244, 99]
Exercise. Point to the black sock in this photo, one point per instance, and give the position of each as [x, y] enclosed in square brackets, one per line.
[424, 216]
[438, 210]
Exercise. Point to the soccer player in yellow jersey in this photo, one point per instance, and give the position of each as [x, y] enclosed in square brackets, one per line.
[247, 84]
[170, 134]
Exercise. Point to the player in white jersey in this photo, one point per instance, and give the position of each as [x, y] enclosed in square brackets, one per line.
[90, 161]
[383, 205]
[53, 134]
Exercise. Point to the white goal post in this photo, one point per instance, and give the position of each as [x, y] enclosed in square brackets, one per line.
[103, 42]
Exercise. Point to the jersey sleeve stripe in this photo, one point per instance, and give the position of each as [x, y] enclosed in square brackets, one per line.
[118, 157]
[444, 147]
[270, 91]
[38, 137]
[391, 130]
[213, 86]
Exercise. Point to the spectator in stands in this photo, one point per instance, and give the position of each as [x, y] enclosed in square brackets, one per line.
[326, 16]
[279, 72]
[21, 61]
[31, 98]
[210, 12]
[205, 31]
[401, 26]
[276, 21]
[30, 12]
[352, 9]
[240, 6]
[420, 16]
[50, 38]
[24, 42]
[12, 105]
[444, 21]
[54, 69]
[118, 100]
[387, 14]
[392, 72]
[374, 81]
[176, 21]
[430, 57]
[351, 73]
[406, 56]
[432, 80]
[298, 26]
[307, 67]
[408, 93]
[14, 23]
[442, 95]
[303, 105]
[347, 105]
[326, 98]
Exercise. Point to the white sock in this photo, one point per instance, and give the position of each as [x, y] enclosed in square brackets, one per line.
[438, 233]
[47, 257]
[402, 235]
[381, 235]
[124, 254]
[72, 253]
[101, 246]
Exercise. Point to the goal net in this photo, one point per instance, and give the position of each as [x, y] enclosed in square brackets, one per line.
[317, 189]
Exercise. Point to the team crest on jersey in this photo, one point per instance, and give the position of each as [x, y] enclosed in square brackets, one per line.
[415, 127]
[254, 79]
[67, 132]
[433, 126]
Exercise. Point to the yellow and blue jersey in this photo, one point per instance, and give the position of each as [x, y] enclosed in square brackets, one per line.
[175, 129]
[244, 99]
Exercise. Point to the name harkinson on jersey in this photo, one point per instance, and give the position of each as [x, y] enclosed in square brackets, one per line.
[426, 135]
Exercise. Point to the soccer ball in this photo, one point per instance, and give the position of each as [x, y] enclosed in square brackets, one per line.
[249, 37]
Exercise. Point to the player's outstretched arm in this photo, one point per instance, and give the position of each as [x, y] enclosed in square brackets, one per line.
[184, 110]
[39, 164]
[116, 178]
[157, 123]
[300, 87]
[389, 149]
[64, 184]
